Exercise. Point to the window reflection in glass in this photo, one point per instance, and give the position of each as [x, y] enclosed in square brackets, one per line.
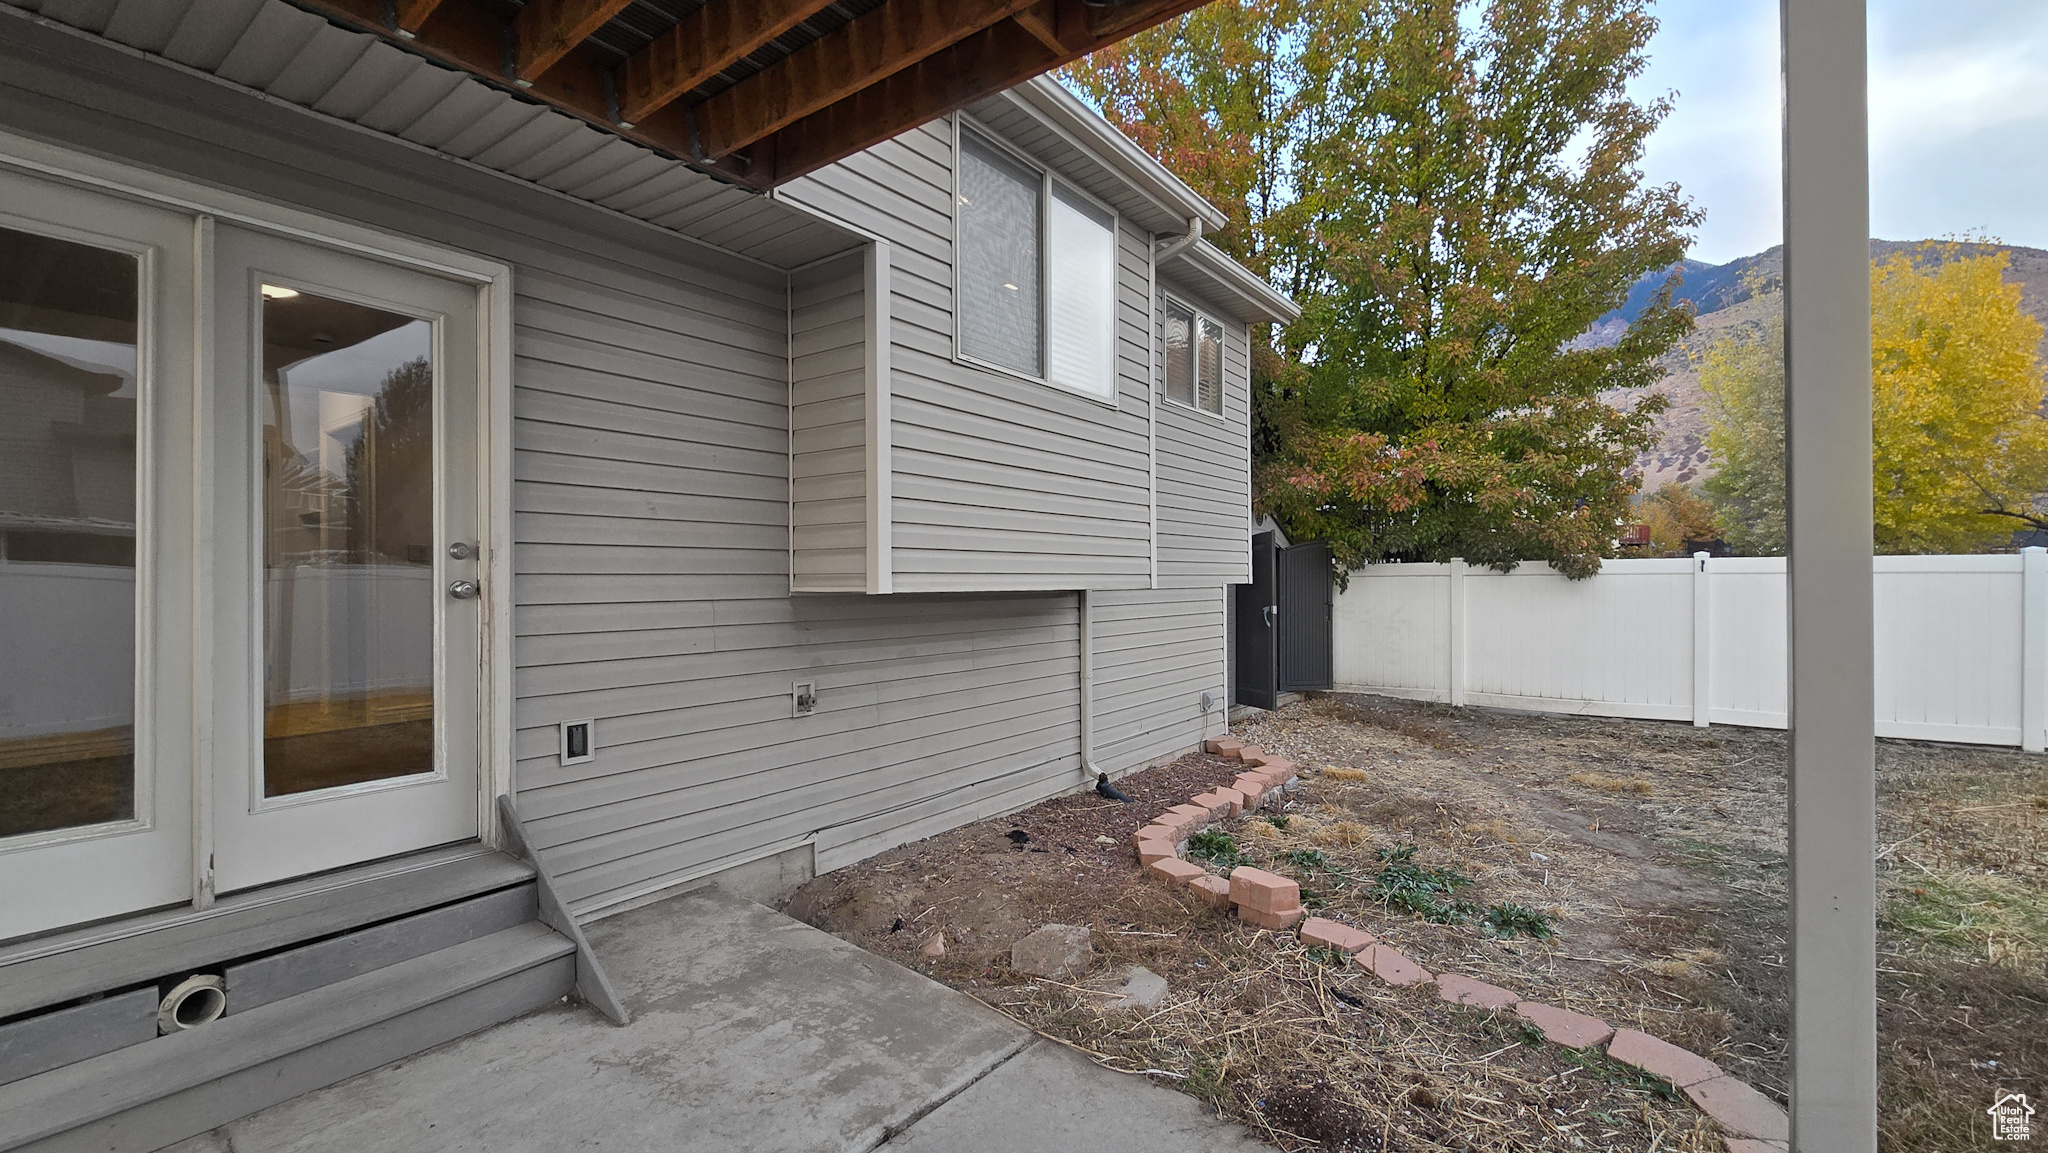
[67, 533]
[1001, 231]
[348, 531]
[1180, 357]
[1209, 367]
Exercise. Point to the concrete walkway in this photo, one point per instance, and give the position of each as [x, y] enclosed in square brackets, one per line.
[751, 1031]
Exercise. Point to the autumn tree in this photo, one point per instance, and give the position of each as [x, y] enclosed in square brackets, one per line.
[1676, 514]
[1959, 446]
[1743, 375]
[1453, 202]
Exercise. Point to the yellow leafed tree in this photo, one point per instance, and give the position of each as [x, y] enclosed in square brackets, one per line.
[1960, 447]
[1956, 387]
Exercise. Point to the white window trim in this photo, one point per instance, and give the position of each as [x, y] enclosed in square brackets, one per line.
[493, 280]
[962, 123]
[1222, 385]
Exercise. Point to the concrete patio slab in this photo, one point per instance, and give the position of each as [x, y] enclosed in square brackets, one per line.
[1050, 1097]
[751, 1031]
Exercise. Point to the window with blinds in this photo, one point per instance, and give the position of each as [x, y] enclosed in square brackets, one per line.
[1036, 272]
[1180, 354]
[1081, 301]
[1194, 359]
[1209, 368]
[999, 300]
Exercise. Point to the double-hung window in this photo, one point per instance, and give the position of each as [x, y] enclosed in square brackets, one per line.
[1194, 359]
[1036, 272]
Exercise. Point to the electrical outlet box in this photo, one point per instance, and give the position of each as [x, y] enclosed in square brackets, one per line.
[803, 698]
[579, 741]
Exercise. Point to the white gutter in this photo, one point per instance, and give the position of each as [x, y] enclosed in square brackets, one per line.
[1179, 244]
[1052, 102]
[1262, 301]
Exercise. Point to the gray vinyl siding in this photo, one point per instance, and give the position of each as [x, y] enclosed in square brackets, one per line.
[999, 482]
[1205, 469]
[1156, 652]
[651, 497]
[828, 430]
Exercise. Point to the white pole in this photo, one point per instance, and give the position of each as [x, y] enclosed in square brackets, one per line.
[2034, 650]
[1457, 641]
[1702, 635]
[1832, 810]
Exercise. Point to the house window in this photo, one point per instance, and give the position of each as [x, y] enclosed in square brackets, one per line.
[1194, 359]
[1037, 273]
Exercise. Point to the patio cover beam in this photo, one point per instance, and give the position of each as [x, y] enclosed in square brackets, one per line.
[1037, 39]
[871, 48]
[894, 67]
[547, 30]
[1832, 817]
[705, 43]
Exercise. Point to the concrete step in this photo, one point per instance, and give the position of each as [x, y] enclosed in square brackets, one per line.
[145, 1096]
[47, 972]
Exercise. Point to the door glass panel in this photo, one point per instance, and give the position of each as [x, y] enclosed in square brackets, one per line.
[67, 533]
[348, 532]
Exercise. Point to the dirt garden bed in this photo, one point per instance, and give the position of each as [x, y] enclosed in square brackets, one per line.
[1655, 851]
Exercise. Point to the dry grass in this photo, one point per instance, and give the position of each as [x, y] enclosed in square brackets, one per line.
[1658, 848]
[1607, 784]
[1300, 1050]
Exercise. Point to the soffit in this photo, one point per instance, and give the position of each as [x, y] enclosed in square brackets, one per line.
[289, 54]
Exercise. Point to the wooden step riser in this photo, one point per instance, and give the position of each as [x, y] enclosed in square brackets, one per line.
[191, 1112]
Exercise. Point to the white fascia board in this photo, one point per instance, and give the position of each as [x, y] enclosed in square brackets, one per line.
[1049, 99]
[1253, 298]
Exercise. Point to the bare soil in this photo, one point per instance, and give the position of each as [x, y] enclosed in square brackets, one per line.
[1657, 850]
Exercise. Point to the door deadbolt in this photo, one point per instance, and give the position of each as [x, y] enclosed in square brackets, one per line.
[461, 550]
[463, 590]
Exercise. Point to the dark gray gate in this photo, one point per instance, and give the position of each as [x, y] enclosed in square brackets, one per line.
[1257, 673]
[1305, 633]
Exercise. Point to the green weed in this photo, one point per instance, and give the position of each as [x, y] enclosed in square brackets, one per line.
[1219, 849]
[1506, 919]
[1403, 884]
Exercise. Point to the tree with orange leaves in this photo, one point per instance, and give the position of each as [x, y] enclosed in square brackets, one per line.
[1454, 201]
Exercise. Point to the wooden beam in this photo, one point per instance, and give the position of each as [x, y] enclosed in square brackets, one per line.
[466, 34]
[413, 13]
[705, 43]
[975, 68]
[870, 48]
[546, 30]
[1043, 20]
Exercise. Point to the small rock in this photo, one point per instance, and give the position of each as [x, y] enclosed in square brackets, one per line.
[1101, 840]
[1142, 989]
[1053, 951]
[936, 947]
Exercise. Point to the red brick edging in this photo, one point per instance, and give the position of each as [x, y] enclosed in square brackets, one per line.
[1754, 1122]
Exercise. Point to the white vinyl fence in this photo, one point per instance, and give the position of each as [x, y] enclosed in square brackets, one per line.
[1962, 641]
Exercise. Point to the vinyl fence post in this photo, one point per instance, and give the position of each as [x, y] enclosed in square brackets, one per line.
[1702, 633]
[2034, 649]
[1457, 646]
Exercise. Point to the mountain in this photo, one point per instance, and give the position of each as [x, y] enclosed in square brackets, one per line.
[1724, 303]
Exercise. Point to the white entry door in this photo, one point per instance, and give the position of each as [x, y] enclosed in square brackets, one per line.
[96, 350]
[344, 604]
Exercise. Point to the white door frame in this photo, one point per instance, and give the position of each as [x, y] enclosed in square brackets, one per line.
[493, 280]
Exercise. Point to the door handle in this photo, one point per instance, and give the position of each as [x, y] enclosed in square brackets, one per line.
[1269, 612]
[464, 590]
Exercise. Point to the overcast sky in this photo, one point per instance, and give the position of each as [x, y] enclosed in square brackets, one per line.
[1959, 118]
